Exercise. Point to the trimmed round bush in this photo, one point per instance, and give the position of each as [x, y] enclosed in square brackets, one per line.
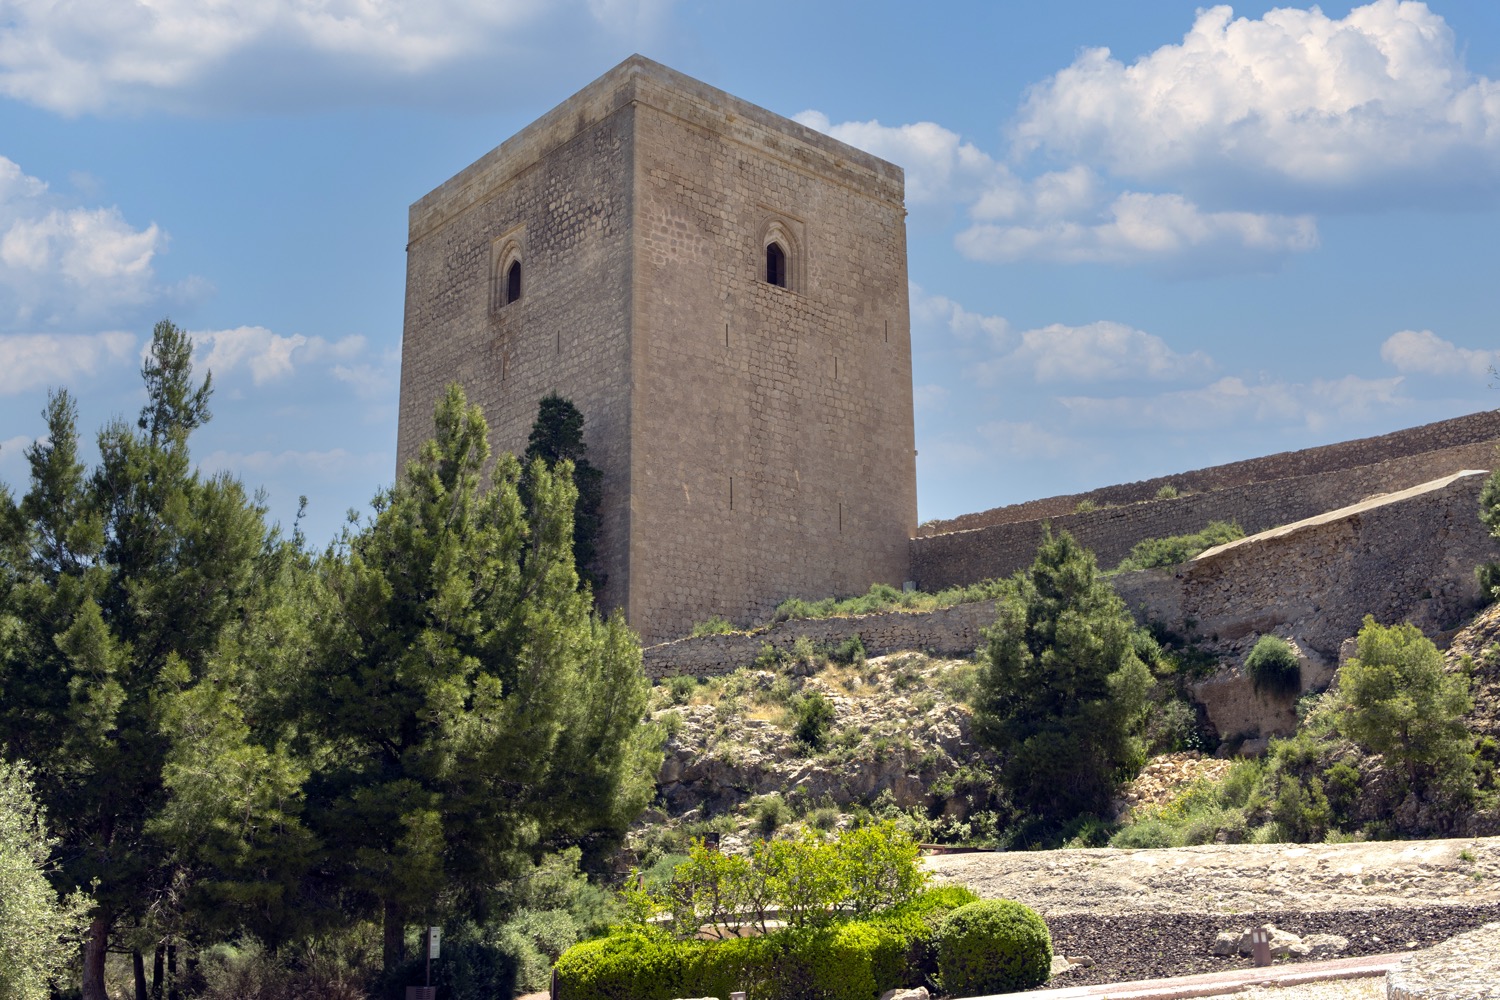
[1272, 666]
[993, 946]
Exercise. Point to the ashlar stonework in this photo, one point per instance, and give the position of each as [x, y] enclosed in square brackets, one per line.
[755, 436]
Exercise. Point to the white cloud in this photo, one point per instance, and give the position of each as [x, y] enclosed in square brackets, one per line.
[1140, 227]
[1296, 96]
[1424, 352]
[31, 361]
[268, 356]
[1068, 215]
[65, 264]
[1232, 401]
[1094, 352]
[1024, 440]
[938, 311]
[940, 166]
[102, 55]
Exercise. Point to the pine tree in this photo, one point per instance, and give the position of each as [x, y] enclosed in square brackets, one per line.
[122, 585]
[1062, 693]
[475, 708]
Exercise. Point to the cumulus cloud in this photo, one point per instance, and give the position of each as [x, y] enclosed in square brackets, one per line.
[940, 166]
[937, 311]
[1295, 96]
[1424, 352]
[1092, 352]
[31, 361]
[268, 356]
[103, 55]
[1069, 215]
[1140, 227]
[1232, 401]
[1095, 352]
[63, 264]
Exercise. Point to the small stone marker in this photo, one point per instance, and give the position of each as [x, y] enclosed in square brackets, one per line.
[737, 995]
[1260, 945]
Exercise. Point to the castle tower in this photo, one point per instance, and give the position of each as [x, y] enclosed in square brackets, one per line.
[722, 293]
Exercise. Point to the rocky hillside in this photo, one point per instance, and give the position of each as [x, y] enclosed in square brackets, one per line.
[896, 742]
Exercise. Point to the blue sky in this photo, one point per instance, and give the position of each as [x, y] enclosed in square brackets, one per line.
[1143, 237]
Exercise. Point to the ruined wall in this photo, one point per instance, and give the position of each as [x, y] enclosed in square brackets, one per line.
[1477, 429]
[955, 558]
[1406, 557]
[947, 632]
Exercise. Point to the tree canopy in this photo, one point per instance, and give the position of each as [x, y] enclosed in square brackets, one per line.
[1061, 692]
[557, 437]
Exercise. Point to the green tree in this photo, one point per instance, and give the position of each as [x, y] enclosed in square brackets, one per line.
[474, 708]
[34, 923]
[557, 436]
[1398, 701]
[122, 584]
[1061, 693]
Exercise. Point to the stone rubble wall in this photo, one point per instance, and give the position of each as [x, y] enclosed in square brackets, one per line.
[1387, 450]
[1407, 557]
[946, 632]
[963, 557]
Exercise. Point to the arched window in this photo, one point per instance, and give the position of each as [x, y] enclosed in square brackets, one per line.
[775, 265]
[513, 282]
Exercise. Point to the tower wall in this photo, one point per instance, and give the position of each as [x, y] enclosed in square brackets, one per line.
[756, 441]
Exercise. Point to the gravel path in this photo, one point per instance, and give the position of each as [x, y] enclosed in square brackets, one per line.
[1144, 914]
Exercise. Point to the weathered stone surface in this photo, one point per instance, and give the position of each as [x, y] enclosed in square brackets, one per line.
[1464, 968]
[756, 440]
[919, 993]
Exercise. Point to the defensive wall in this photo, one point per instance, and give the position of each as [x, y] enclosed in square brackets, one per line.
[946, 632]
[1421, 454]
[1474, 429]
[1405, 556]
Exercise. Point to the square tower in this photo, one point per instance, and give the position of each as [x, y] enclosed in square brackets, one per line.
[722, 293]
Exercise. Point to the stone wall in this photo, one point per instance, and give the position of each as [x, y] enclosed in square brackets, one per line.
[963, 557]
[947, 632]
[1409, 556]
[1474, 429]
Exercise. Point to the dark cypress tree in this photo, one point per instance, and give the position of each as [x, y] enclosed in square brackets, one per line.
[557, 436]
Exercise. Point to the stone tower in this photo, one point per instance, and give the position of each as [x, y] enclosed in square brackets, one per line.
[722, 293]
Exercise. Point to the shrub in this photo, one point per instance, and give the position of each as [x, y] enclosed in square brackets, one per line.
[814, 716]
[1272, 666]
[850, 652]
[993, 946]
[1167, 492]
[682, 688]
[848, 960]
[1150, 553]
[770, 812]
[717, 625]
